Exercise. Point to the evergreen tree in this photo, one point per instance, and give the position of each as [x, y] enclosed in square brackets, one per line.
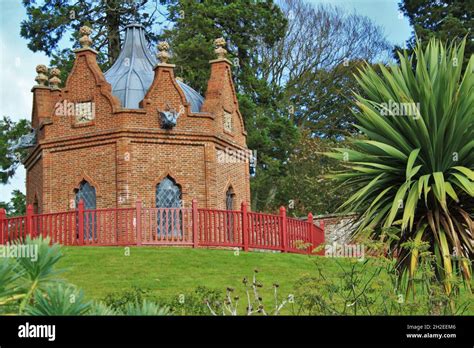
[442, 19]
[17, 204]
[49, 22]
[10, 132]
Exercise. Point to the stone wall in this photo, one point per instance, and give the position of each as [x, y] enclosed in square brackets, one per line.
[337, 228]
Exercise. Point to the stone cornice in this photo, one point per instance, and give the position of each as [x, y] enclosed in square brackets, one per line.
[81, 50]
[221, 60]
[40, 87]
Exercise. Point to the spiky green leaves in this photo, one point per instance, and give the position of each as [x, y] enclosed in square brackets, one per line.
[414, 170]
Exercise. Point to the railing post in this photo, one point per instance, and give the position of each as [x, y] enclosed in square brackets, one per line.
[323, 234]
[29, 220]
[319, 236]
[245, 231]
[138, 224]
[195, 223]
[3, 219]
[80, 223]
[311, 233]
[284, 235]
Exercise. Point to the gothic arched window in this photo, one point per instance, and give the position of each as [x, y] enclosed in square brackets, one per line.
[86, 193]
[168, 195]
[35, 205]
[229, 198]
[229, 205]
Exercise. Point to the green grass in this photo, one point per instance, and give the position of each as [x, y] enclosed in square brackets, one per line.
[168, 272]
[171, 271]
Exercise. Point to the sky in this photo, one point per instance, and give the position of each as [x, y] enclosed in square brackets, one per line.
[17, 62]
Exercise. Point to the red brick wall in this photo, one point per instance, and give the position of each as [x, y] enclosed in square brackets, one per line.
[184, 162]
[34, 183]
[69, 166]
[125, 153]
[239, 183]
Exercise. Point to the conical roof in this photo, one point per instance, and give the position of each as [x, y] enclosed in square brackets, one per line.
[132, 73]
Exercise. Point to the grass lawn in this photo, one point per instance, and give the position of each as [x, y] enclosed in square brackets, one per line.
[171, 271]
[168, 272]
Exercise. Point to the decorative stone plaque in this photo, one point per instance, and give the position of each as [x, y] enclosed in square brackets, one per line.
[84, 112]
[227, 121]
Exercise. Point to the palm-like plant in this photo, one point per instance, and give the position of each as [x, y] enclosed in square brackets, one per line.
[23, 277]
[10, 289]
[414, 171]
[38, 274]
[30, 285]
[59, 299]
[145, 308]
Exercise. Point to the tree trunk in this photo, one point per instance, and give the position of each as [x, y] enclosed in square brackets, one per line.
[112, 18]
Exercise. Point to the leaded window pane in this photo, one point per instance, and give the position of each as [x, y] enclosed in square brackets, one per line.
[86, 193]
[168, 195]
[229, 202]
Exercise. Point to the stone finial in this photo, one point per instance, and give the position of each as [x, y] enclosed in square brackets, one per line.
[54, 81]
[85, 40]
[220, 50]
[163, 54]
[41, 78]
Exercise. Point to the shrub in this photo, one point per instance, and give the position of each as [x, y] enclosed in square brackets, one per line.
[119, 301]
[414, 170]
[195, 302]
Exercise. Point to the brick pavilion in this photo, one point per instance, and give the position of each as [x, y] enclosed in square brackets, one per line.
[135, 132]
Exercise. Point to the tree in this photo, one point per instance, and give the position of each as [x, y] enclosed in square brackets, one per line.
[10, 132]
[308, 72]
[274, 138]
[442, 19]
[314, 62]
[244, 24]
[17, 204]
[48, 22]
[414, 174]
[305, 188]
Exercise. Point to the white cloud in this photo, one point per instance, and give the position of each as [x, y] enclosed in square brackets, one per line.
[17, 74]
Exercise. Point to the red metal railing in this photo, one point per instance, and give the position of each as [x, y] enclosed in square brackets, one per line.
[167, 226]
